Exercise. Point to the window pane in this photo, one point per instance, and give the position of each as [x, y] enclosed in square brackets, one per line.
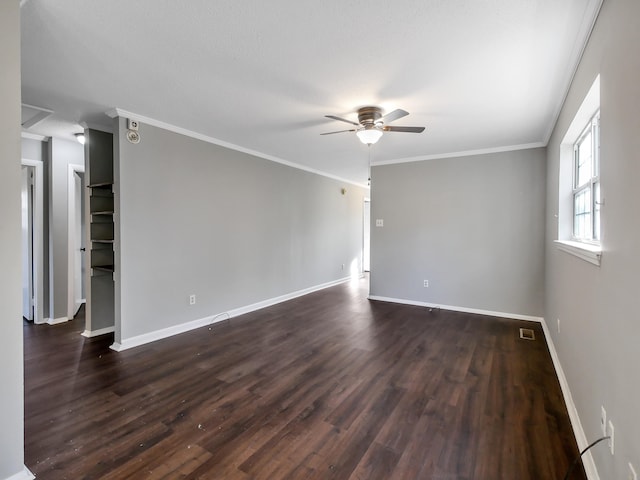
[596, 211]
[586, 187]
[596, 145]
[582, 214]
[584, 168]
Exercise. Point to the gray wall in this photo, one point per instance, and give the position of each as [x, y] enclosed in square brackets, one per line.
[233, 229]
[39, 151]
[598, 306]
[34, 149]
[473, 226]
[11, 369]
[62, 153]
[56, 155]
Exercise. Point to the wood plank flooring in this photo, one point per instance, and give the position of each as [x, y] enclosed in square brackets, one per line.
[326, 386]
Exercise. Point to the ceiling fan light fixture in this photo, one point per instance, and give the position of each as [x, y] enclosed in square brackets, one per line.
[371, 124]
[369, 136]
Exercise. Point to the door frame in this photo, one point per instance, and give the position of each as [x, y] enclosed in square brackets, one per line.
[26, 197]
[38, 238]
[71, 243]
[366, 235]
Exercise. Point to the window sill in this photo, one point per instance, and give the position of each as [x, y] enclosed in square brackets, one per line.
[588, 253]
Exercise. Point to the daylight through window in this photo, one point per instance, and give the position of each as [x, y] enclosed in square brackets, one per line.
[586, 183]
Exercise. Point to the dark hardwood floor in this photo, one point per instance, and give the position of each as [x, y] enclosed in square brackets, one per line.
[328, 386]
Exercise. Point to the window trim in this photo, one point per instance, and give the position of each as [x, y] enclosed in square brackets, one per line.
[589, 252]
[593, 127]
[585, 251]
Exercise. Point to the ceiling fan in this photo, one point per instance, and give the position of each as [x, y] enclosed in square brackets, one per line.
[371, 124]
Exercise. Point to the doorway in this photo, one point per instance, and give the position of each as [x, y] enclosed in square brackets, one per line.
[32, 240]
[27, 194]
[366, 236]
[76, 240]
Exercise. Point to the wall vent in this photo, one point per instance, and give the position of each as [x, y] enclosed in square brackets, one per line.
[527, 334]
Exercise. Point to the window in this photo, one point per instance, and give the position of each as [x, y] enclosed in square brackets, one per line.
[579, 182]
[586, 183]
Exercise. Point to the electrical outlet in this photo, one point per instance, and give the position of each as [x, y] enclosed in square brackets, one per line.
[611, 437]
[558, 325]
[603, 421]
[192, 299]
[342, 268]
[632, 473]
[426, 283]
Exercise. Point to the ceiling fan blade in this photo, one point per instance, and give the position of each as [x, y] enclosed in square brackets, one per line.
[339, 131]
[391, 128]
[395, 115]
[333, 117]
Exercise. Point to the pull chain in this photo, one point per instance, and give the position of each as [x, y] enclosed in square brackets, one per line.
[369, 166]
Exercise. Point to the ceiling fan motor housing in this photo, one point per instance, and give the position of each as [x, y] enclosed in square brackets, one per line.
[369, 115]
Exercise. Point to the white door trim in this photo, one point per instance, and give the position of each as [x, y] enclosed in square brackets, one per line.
[366, 234]
[26, 195]
[38, 239]
[71, 243]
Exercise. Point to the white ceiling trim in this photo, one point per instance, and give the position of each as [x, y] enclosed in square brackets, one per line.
[586, 28]
[37, 117]
[33, 136]
[467, 153]
[118, 112]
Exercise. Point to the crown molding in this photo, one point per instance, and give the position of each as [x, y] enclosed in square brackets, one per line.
[465, 153]
[592, 10]
[34, 136]
[118, 112]
[40, 115]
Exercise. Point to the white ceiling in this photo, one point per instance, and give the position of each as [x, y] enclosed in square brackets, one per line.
[481, 75]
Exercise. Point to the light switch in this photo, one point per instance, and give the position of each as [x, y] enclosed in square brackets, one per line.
[379, 222]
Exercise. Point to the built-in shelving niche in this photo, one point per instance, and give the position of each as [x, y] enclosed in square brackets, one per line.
[99, 163]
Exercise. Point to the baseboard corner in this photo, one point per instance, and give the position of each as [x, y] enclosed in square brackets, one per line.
[56, 321]
[25, 474]
[96, 333]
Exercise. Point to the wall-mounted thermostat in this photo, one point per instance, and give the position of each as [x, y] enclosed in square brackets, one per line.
[132, 125]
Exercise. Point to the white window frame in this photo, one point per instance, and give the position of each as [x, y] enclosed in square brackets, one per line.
[588, 250]
[592, 184]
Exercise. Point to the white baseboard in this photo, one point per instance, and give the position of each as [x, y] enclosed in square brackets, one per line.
[202, 322]
[56, 321]
[514, 316]
[25, 474]
[145, 338]
[95, 333]
[578, 431]
[283, 298]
